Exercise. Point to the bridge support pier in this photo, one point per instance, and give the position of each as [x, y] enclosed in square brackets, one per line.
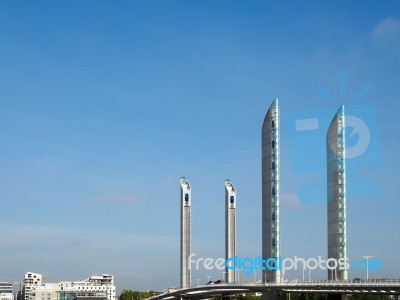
[273, 295]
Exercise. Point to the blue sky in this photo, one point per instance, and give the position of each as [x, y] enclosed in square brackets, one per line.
[105, 105]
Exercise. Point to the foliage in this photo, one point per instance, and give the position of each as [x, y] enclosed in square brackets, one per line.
[135, 295]
[322, 296]
[248, 297]
[369, 297]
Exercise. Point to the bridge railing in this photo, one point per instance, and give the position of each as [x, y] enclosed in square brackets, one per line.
[371, 282]
[373, 285]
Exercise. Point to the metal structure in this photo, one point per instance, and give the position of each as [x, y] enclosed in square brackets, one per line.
[315, 287]
[186, 197]
[270, 191]
[230, 228]
[336, 193]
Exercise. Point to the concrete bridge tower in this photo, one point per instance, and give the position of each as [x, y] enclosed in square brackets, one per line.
[336, 193]
[230, 228]
[270, 191]
[186, 198]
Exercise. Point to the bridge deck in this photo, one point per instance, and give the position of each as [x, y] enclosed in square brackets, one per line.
[207, 291]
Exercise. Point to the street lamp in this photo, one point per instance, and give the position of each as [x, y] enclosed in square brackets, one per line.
[367, 258]
[223, 276]
[208, 278]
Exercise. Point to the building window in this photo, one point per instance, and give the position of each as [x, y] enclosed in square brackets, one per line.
[232, 199]
[186, 197]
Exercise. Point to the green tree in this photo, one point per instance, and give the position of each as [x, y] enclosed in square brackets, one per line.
[130, 295]
[369, 297]
[135, 295]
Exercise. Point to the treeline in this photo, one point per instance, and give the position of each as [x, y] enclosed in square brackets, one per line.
[322, 296]
[135, 295]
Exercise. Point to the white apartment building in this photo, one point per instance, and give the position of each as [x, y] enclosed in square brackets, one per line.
[6, 291]
[98, 283]
[28, 284]
[96, 287]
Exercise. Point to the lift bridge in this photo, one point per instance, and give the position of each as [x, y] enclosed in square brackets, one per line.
[375, 287]
[337, 286]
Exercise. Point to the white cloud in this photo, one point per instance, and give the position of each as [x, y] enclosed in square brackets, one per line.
[387, 33]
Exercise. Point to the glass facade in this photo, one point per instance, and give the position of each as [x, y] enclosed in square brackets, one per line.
[67, 296]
